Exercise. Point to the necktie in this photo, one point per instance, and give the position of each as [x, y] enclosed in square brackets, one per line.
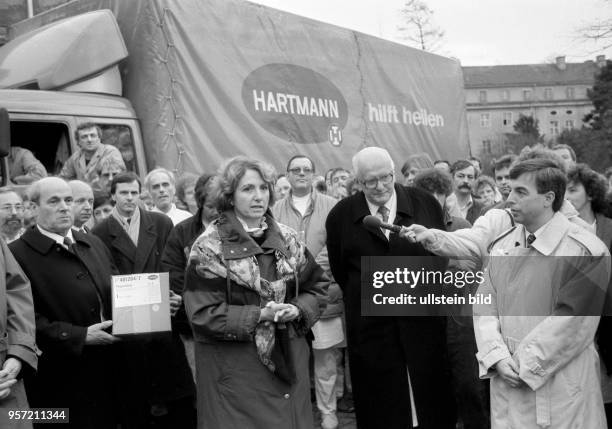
[68, 243]
[384, 212]
[530, 239]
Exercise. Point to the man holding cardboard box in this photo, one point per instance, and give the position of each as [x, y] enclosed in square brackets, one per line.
[163, 388]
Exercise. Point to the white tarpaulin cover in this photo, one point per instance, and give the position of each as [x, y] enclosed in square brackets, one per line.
[211, 79]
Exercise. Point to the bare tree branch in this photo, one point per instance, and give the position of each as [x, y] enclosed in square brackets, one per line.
[418, 27]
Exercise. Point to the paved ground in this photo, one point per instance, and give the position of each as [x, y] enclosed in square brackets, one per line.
[347, 420]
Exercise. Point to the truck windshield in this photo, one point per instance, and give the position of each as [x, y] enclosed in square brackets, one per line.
[47, 141]
[39, 148]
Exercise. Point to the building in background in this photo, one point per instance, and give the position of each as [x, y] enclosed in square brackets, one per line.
[12, 11]
[554, 94]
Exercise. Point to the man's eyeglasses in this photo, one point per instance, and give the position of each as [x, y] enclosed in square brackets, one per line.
[298, 170]
[9, 208]
[373, 183]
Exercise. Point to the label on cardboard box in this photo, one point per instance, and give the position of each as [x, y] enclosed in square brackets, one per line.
[141, 303]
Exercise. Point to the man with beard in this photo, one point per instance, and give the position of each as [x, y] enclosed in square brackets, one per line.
[464, 176]
[11, 215]
[82, 204]
[338, 179]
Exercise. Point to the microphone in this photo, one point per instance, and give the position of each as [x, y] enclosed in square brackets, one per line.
[374, 222]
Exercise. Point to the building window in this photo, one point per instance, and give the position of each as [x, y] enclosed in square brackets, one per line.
[548, 94]
[569, 124]
[526, 94]
[505, 95]
[570, 93]
[507, 119]
[486, 146]
[485, 120]
[554, 112]
[482, 96]
[569, 112]
[554, 128]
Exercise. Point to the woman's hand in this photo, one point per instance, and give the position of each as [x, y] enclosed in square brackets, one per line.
[266, 314]
[285, 312]
[279, 312]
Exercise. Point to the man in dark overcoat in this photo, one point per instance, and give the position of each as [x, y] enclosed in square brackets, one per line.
[162, 380]
[390, 357]
[70, 276]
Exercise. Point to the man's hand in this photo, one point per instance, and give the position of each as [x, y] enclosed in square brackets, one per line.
[5, 388]
[508, 370]
[8, 376]
[175, 302]
[11, 368]
[418, 234]
[97, 336]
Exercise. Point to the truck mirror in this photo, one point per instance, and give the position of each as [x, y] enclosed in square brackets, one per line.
[5, 133]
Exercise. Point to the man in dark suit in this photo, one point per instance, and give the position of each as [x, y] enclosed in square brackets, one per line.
[70, 276]
[389, 356]
[82, 204]
[136, 240]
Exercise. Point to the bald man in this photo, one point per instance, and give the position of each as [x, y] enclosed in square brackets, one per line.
[70, 273]
[82, 204]
[384, 350]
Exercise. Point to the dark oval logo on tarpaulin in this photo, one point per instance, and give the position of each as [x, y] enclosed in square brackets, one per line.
[295, 103]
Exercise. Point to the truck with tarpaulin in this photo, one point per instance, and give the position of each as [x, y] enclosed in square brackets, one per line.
[185, 85]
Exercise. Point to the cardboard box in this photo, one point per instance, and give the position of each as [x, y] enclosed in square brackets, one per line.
[141, 303]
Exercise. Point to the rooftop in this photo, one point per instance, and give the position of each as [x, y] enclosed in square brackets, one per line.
[559, 73]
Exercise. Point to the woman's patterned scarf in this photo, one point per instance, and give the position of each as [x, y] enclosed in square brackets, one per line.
[207, 252]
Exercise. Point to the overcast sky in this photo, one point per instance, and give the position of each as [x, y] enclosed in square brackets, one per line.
[477, 32]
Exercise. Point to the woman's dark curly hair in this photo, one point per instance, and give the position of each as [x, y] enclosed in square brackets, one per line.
[434, 180]
[595, 185]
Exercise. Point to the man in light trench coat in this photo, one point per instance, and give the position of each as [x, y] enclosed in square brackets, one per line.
[18, 352]
[547, 279]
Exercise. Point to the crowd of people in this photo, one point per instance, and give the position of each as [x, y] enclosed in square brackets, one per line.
[266, 297]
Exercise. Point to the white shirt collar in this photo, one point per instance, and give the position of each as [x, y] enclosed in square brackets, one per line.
[391, 204]
[464, 209]
[168, 213]
[538, 233]
[59, 239]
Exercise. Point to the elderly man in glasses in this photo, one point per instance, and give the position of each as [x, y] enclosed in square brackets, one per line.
[11, 215]
[390, 357]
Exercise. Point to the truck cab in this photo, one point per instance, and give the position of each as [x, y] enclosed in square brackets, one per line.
[52, 80]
